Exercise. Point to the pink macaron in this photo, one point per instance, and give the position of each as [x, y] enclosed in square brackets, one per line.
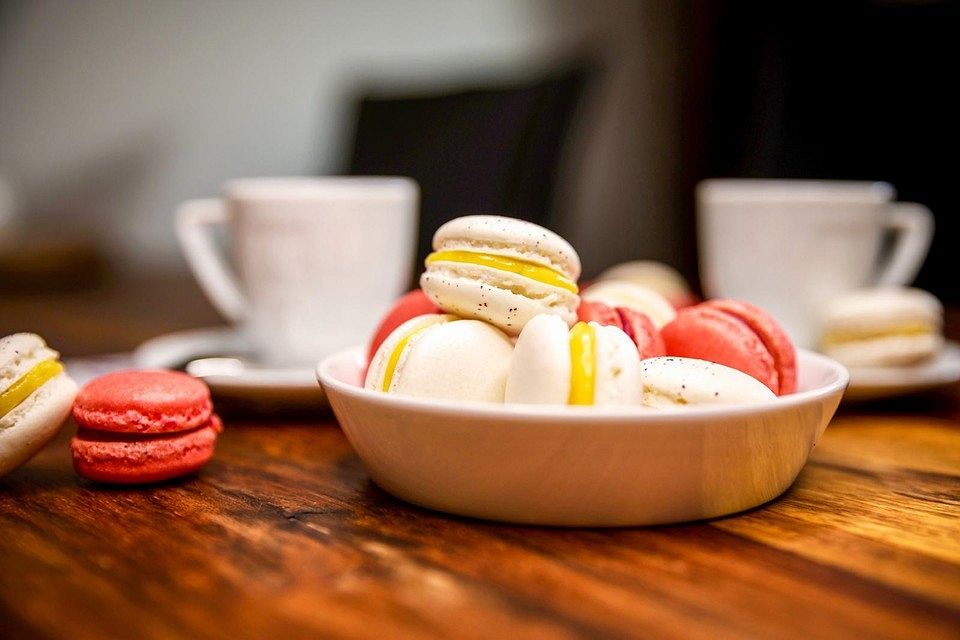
[143, 426]
[738, 335]
[637, 325]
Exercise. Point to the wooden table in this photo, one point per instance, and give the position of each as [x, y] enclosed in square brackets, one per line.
[284, 535]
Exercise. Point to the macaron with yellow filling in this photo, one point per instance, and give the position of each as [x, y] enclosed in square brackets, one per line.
[442, 356]
[503, 271]
[35, 397]
[590, 364]
[883, 327]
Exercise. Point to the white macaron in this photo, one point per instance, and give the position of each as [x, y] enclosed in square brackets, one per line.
[675, 383]
[590, 364]
[503, 271]
[35, 397]
[882, 327]
[658, 276]
[442, 356]
[620, 293]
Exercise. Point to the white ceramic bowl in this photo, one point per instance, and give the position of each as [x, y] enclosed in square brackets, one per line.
[582, 466]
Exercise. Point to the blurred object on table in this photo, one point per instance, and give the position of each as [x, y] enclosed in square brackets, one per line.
[49, 264]
[8, 207]
[43, 257]
[121, 312]
[489, 149]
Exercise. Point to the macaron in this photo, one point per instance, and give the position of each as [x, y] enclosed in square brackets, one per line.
[410, 305]
[676, 383]
[143, 426]
[658, 276]
[442, 356]
[882, 327]
[35, 397]
[502, 271]
[619, 293]
[636, 325]
[128, 458]
[590, 364]
[738, 335]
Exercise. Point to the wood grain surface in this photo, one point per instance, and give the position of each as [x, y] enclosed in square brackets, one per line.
[283, 535]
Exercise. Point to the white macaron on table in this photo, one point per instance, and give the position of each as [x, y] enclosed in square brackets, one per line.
[582, 466]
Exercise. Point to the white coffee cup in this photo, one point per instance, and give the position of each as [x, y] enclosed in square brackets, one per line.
[788, 246]
[317, 260]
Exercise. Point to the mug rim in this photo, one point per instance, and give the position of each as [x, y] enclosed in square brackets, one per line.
[321, 187]
[794, 190]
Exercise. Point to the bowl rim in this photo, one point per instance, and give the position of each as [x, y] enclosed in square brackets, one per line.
[614, 413]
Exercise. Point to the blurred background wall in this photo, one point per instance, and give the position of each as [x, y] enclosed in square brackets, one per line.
[113, 112]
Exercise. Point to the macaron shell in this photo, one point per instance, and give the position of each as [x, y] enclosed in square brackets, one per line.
[643, 332]
[773, 336]
[618, 293]
[540, 364]
[887, 351]
[460, 360]
[675, 383]
[883, 308]
[410, 305]
[378, 365]
[505, 300]
[618, 378]
[636, 325]
[143, 401]
[132, 459]
[35, 421]
[706, 333]
[658, 276]
[509, 237]
[599, 312]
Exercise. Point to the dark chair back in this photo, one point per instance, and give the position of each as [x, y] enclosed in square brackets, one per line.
[483, 150]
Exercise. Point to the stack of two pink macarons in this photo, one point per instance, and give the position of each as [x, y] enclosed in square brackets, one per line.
[143, 426]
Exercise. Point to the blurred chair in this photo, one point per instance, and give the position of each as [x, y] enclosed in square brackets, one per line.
[483, 150]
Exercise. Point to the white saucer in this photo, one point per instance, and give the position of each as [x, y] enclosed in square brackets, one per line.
[870, 383]
[220, 357]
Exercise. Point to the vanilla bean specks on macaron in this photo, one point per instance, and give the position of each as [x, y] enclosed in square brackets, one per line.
[503, 271]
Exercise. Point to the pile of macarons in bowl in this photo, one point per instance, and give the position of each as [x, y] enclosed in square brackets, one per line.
[500, 390]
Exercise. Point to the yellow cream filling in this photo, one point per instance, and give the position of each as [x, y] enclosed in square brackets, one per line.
[394, 358]
[526, 269]
[32, 380]
[839, 337]
[583, 364]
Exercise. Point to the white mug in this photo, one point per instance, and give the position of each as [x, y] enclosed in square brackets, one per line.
[790, 245]
[317, 260]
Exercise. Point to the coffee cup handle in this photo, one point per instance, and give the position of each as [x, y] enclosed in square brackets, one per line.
[913, 225]
[194, 219]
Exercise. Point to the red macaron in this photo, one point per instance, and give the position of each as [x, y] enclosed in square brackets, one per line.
[738, 335]
[143, 426]
[637, 325]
